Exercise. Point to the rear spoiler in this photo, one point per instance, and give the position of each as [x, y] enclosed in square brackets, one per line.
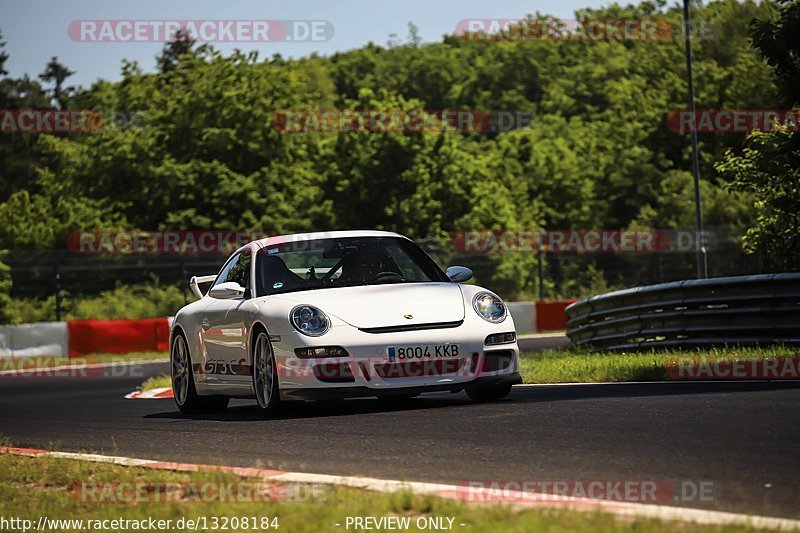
[196, 280]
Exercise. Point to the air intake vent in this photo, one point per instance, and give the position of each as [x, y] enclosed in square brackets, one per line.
[413, 327]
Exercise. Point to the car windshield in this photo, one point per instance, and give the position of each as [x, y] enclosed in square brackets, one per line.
[342, 262]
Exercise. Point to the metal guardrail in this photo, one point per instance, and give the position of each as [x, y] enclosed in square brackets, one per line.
[39, 274]
[746, 310]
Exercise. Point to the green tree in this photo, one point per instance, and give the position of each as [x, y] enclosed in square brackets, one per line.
[414, 37]
[777, 42]
[769, 168]
[56, 74]
[19, 156]
[182, 44]
[769, 165]
[3, 56]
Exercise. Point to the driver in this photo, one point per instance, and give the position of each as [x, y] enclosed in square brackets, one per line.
[365, 266]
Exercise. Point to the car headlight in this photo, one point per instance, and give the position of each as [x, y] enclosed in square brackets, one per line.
[309, 320]
[490, 307]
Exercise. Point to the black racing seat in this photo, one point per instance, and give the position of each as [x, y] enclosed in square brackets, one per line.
[274, 275]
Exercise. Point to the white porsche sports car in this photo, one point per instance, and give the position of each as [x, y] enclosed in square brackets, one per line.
[335, 315]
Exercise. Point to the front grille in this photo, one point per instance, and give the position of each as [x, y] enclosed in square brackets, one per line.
[413, 327]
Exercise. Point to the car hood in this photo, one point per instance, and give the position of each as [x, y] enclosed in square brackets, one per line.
[376, 306]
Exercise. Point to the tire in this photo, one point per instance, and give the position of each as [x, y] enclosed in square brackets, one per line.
[265, 375]
[489, 394]
[183, 389]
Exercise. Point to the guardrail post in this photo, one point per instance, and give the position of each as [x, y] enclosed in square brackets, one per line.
[540, 267]
[58, 293]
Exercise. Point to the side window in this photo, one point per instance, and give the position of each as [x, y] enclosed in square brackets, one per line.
[238, 270]
[240, 273]
[223, 275]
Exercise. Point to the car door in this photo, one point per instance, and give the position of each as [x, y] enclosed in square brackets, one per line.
[225, 325]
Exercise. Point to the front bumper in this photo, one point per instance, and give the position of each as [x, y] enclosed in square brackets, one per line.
[370, 371]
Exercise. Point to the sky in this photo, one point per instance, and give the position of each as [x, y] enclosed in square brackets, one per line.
[36, 30]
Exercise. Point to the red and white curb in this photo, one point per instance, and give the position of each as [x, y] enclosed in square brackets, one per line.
[152, 394]
[455, 492]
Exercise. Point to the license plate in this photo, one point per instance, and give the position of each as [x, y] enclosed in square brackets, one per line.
[427, 351]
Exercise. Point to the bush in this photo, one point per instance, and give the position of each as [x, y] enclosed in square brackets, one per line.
[29, 310]
[130, 302]
[135, 301]
[5, 289]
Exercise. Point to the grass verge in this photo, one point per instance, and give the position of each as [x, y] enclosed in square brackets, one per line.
[66, 489]
[573, 365]
[157, 382]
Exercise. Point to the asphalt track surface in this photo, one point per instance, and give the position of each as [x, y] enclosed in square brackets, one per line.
[743, 437]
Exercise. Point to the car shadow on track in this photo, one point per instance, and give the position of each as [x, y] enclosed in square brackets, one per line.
[241, 411]
[317, 409]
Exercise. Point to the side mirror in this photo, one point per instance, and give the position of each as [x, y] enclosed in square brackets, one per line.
[226, 291]
[458, 274]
